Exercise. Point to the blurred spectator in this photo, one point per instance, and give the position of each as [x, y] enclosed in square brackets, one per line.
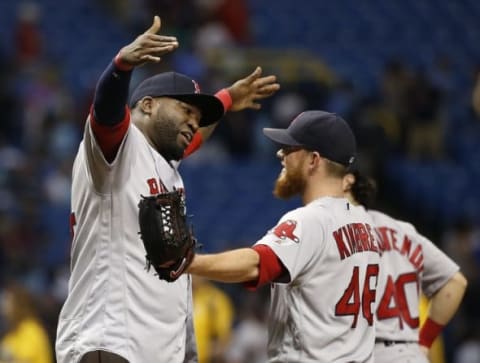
[11, 157]
[469, 350]
[179, 18]
[377, 134]
[211, 33]
[213, 315]
[425, 127]
[42, 95]
[25, 339]
[476, 95]
[394, 87]
[441, 74]
[28, 37]
[250, 337]
[342, 99]
[286, 106]
[237, 134]
[236, 17]
[462, 244]
[128, 13]
[10, 127]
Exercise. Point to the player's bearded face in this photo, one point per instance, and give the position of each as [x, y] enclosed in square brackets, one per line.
[167, 135]
[166, 138]
[174, 124]
[290, 182]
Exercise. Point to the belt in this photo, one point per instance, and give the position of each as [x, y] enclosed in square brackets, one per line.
[389, 343]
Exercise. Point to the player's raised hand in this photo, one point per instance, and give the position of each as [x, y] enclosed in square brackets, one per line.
[148, 47]
[246, 91]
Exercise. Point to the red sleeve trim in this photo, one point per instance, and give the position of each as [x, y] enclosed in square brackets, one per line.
[429, 332]
[224, 96]
[121, 65]
[270, 267]
[194, 145]
[109, 137]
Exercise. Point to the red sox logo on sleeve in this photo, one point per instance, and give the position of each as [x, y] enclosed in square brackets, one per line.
[285, 230]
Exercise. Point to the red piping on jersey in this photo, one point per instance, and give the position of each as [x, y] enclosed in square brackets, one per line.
[270, 267]
[108, 137]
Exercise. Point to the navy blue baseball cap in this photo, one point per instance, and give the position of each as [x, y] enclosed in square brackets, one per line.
[321, 131]
[183, 88]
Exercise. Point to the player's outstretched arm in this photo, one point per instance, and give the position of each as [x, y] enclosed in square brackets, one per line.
[238, 265]
[443, 306]
[111, 93]
[112, 88]
[245, 94]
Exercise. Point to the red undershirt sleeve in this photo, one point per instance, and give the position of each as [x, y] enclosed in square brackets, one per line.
[224, 96]
[194, 145]
[270, 268]
[108, 137]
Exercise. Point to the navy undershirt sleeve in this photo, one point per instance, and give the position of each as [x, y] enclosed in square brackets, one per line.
[111, 96]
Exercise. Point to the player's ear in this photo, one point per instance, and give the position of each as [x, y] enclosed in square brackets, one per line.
[146, 105]
[314, 160]
[347, 182]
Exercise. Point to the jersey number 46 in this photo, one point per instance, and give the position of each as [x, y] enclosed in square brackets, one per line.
[359, 297]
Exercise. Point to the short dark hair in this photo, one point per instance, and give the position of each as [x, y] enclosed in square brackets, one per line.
[335, 169]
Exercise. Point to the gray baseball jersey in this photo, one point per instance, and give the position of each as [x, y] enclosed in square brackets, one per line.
[113, 303]
[409, 262]
[326, 312]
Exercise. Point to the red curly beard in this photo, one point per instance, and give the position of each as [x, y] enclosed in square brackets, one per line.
[289, 183]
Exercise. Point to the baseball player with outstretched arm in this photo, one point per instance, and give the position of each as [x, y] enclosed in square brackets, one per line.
[117, 311]
[409, 263]
[322, 259]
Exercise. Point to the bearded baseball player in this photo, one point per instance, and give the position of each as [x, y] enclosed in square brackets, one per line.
[322, 259]
[117, 310]
[409, 263]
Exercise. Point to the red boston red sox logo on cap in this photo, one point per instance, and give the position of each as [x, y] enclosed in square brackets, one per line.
[196, 85]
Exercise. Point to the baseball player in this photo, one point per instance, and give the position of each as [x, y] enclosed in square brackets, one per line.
[116, 311]
[409, 262]
[322, 259]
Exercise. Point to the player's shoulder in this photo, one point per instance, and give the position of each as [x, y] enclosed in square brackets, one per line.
[327, 204]
[381, 218]
[296, 213]
[303, 215]
[321, 208]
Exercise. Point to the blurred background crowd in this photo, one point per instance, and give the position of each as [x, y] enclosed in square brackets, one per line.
[403, 73]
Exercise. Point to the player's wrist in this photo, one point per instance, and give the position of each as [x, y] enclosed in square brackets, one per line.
[226, 98]
[429, 332]
[121, 65]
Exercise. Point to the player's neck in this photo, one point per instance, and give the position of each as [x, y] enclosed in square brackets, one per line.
[328, 187]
